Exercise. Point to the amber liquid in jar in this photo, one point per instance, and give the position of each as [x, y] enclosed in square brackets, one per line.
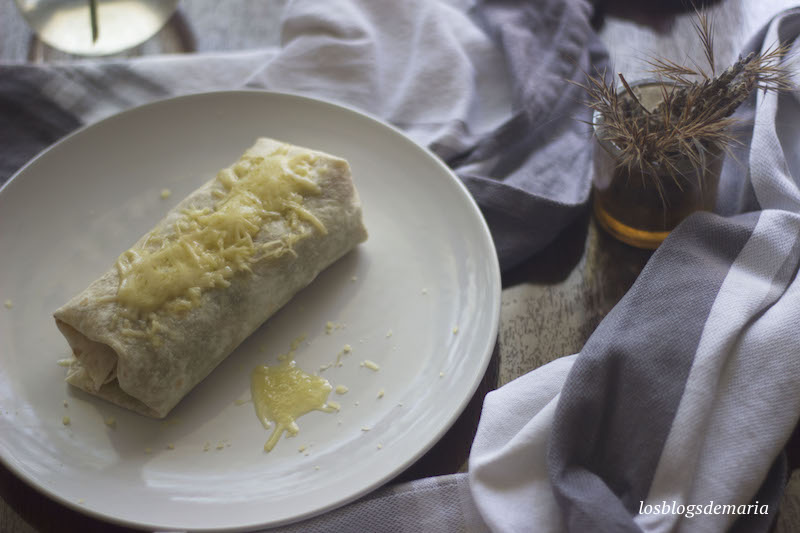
[640, 207]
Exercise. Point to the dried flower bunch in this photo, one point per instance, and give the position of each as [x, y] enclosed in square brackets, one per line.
[694, 117]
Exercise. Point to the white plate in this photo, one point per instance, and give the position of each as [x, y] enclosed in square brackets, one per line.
[428, 267]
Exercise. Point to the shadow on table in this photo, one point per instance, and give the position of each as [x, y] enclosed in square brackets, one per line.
[42, 514]
[590, 250]
[553, 302]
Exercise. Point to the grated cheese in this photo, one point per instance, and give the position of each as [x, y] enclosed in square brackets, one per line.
[206, 247]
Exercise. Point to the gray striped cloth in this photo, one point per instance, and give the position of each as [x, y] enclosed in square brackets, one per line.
[675, 414]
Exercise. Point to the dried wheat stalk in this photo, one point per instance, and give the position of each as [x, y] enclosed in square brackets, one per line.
[694, 117]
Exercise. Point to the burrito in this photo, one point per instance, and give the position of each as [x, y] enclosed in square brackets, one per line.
[220, 263]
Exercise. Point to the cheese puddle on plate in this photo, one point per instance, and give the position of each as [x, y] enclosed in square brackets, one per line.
[283, 393]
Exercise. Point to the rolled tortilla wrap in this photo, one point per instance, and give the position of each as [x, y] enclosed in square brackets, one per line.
[209, 274]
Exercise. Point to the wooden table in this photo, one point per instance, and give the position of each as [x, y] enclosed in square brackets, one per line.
[550, 305]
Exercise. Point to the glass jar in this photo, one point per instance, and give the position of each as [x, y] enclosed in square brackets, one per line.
[641, 207]
[96, 27]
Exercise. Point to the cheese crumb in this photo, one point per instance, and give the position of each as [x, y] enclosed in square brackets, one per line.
[66, 404]
[166, 193]
[389, 334]
[354, 278]
[67, 361]
[65, 420]
[9, 304]
[170, 422]
[341, 389]
[365, 428]
[206, 446]
[441, 374]
[301, 449]
[372, 365]
[111, 422]
[170, 446]
[81, 500]
[334, 405]
[329, 327]
[345, 350]
[380, 446]
[220, 445]
[148, 450]
[380, 393]
[455, 330]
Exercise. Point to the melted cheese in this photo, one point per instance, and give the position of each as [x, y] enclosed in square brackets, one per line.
[210, 246]
[283, 393]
